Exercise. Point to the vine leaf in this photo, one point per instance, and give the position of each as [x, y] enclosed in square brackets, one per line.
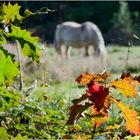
[28, 43]
[130, 116]
[10, 13]
[86, 78]
[8, 69]
[127, 86]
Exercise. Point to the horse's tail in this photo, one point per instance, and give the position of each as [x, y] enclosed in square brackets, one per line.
[57, 38]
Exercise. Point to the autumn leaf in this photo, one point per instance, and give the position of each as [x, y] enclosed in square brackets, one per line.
[99, 119]
[130, 116]
[136, 79]
[127, 86]
[98, 95]
[86, 78]
[83, 97]
[76, 111]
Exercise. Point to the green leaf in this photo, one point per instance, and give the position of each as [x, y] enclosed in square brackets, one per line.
[10, 13]
[2, 38]
[28, 43]
[28, 13]
[3, 133]
[8, 69]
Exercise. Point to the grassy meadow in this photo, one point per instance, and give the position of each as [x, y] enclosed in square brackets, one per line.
[50, 85]
[62, 73]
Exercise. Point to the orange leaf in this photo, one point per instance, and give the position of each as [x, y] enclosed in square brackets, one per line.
[127, 86]
[86, 78]
[99, 119]
[132, 122]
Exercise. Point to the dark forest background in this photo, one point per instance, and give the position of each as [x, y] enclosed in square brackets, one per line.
[118, 20]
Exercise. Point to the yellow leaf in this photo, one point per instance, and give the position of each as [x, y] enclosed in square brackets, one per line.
[130, 116]
[126, 86]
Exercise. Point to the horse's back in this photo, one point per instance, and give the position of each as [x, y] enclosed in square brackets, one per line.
[69, 33]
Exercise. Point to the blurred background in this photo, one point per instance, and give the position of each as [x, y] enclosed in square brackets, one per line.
[117, 20]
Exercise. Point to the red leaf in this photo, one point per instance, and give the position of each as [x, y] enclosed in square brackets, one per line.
[97, 94]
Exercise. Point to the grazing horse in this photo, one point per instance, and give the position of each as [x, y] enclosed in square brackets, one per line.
[80, 35]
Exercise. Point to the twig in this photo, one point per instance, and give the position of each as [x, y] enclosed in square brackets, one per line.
[93, 131]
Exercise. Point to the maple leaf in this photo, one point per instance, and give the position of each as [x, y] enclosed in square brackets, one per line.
[8, 69]
[76, 111]
[86, 78]
[130, 116]
[98, 95]
[126, 86]
[28, 43]
[10, 13]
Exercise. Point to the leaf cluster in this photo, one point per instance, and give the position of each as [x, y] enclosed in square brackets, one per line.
[96, 103]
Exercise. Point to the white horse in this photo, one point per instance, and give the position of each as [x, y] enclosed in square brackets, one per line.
[80, 35]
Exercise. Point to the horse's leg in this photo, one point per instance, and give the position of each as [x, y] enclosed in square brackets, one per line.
[86, 51]
[68, 51]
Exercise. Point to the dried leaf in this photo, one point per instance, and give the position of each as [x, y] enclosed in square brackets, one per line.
[83, 97]
[76, 111]
[132, 122]
[86, 78]
[137, 78]
[125, 75]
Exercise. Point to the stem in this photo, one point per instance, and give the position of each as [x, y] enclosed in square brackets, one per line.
[20, 66]
[93, 131]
